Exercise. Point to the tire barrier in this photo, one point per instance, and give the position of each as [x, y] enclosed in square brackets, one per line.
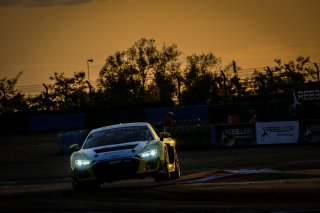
[66, 139]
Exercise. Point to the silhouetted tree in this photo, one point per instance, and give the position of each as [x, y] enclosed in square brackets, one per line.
[142, 58]
[293, 73]
[68, 93]
[120, 81]
[235, 87]
[283, 78]
[167, 76]
[10, 99]
[141, 74]
[199, 78]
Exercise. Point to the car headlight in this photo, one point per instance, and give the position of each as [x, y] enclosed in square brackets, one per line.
[149, 154]
[81, 163]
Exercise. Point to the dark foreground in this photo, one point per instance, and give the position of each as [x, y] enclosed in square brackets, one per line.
[35, 177]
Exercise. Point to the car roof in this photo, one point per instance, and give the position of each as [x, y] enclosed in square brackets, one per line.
[121, 125]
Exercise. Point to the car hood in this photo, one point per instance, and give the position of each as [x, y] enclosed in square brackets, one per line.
[116, 151]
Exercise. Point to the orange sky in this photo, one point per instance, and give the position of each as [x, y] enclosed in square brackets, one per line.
[41, 37]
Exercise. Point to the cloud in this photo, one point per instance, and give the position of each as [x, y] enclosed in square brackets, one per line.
[41, 3]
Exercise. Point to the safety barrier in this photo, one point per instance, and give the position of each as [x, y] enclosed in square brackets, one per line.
[190, 137]
[264, 133]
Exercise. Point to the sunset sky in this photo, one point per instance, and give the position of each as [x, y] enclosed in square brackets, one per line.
[41, 37]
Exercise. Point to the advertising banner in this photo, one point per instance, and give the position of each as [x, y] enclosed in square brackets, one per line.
[281, 132]
[235, 135]
[310, 131]
[305, 101]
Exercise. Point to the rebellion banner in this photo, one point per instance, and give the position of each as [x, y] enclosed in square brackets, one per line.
[305, 101]
[282, 132]
[235, 135]
[310, 131]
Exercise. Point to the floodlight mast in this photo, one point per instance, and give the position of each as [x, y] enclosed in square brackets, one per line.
[89, 60]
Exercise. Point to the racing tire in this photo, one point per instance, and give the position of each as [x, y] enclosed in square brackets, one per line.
[176, 173]
[86, 185]
[165, 175]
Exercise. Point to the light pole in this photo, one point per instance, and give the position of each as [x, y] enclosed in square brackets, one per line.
[89, 60]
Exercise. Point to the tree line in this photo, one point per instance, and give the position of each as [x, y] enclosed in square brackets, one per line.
[144, 75]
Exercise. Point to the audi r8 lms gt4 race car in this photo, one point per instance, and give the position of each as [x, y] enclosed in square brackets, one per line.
[123, 151]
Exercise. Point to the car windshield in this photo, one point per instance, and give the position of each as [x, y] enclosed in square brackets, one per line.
[118, 136]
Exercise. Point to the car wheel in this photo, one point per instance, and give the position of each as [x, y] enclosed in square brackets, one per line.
[86, 185]
[176, 173]
[163, 176]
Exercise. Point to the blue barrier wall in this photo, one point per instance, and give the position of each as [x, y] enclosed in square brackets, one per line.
[184, 115]
[13, 123]
[57, 122]
[157, 115]
[99, 119]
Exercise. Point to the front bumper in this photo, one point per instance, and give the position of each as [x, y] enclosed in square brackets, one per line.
[118, 169]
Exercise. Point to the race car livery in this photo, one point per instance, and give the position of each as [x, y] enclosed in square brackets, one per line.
[123, 151]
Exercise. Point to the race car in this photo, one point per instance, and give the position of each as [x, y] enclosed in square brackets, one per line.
[123, 151]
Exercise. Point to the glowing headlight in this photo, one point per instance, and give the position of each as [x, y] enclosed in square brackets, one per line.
[149, 154]
[82, 162]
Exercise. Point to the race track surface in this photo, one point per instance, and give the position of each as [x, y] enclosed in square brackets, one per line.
[283, 178]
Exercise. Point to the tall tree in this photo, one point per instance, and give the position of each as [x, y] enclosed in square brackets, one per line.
[199, 78]
[141, 74]
[10, 99]
[167, 76]
[142, 59]
[120, 81]
[234, 86]
[68, 93]
[283, 78]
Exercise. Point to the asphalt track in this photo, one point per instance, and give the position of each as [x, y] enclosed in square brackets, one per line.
[283, 178]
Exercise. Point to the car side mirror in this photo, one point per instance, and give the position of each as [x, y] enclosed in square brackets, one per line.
[164, 135]
[74, 147]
